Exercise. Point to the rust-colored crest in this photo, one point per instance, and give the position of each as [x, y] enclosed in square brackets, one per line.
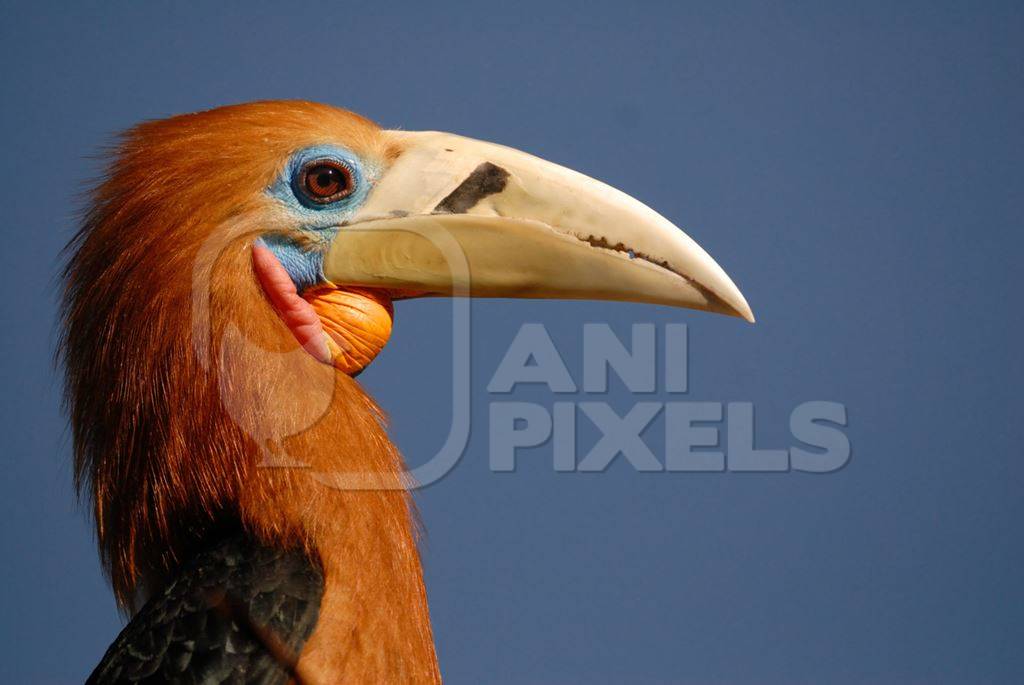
[170, 428]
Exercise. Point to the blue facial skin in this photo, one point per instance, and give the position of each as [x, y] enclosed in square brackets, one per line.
[319, 222]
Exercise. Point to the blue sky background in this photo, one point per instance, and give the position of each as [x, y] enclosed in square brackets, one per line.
[856, 168]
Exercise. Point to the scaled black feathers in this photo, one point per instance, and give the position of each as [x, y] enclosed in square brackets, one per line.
[237, 613]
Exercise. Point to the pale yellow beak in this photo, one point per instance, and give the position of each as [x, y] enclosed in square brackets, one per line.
[456, 216]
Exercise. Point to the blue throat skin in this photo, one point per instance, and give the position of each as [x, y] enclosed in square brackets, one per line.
[304, 265]
[320, 222]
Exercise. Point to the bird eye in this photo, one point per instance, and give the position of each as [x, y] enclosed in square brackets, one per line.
[325, 181]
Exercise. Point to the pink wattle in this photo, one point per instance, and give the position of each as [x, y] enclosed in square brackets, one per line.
[298, 314]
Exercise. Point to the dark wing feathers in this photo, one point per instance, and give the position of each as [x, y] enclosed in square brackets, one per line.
[238, 613]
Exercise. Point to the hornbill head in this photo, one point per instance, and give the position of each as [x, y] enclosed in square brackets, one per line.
[235, 261]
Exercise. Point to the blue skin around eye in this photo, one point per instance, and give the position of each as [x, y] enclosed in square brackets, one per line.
[320, 223]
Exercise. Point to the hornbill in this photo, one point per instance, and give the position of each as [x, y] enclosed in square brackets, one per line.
[233, 273]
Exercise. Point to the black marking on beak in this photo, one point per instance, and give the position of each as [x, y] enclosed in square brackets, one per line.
[486, 179]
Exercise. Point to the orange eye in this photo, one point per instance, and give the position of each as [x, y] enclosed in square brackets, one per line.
[326, 181]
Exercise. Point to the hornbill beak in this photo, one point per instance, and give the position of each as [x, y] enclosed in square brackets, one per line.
[457, 216]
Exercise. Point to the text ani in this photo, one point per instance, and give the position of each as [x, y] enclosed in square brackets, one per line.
[693, 430]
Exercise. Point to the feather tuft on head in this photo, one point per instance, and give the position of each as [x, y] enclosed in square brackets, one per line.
[181, 382]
